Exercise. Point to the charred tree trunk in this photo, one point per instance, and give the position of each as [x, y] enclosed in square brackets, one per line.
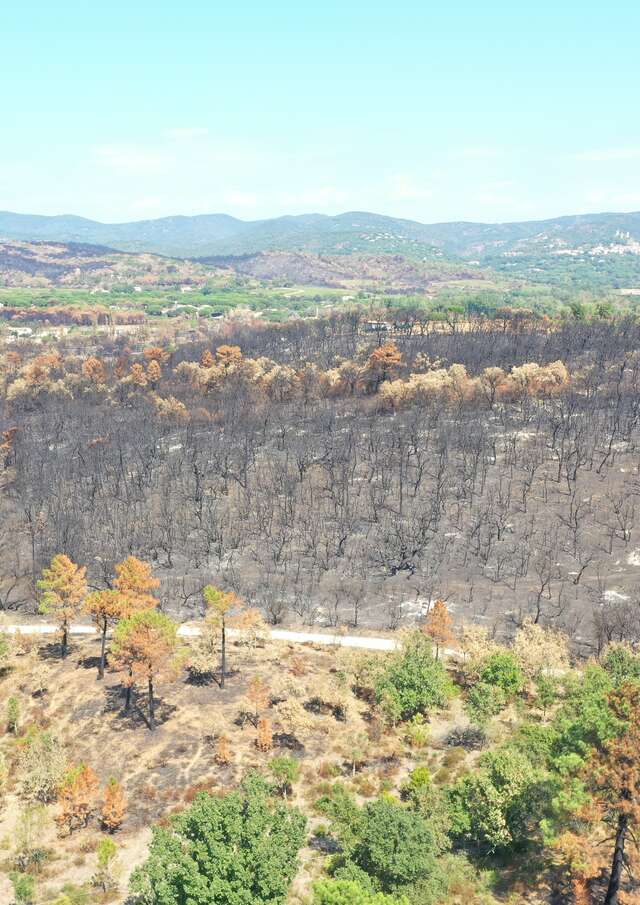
[103, 650]
[224, 654]
[618, 861]
[152, 706]
[127, 700]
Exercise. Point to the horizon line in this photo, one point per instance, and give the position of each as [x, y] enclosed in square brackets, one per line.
[115, 223]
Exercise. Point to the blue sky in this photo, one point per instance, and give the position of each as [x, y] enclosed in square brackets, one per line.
[469, 110]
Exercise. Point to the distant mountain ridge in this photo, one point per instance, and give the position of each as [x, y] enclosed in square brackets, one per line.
[212, 235]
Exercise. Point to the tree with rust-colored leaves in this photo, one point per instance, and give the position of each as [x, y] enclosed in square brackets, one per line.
[63, 587]
[114, 806]
[257, 697]
[438, 626]
[228, 356]
[264, 735]
[145, 647]
[78, 795]
[135, 582]
[154, 373]
[615, 772]
[383, 363]
[106, 608]
[93, 371]
[223, 754]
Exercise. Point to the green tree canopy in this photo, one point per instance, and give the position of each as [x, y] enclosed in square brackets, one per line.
[621, 664]
[394, 846]
[240, 849]
[499, 806]
[483, 702]
[503, 671]
[414, 681]
[585, 720]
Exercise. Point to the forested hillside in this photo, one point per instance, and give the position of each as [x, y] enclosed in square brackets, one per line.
[332, 474]
[349, 232]
[587, 251]
[465, 488]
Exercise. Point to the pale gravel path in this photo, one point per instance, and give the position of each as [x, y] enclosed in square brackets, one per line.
[276, 634]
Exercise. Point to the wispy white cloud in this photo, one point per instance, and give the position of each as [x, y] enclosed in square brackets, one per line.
[190, 152]
[147, 206]
[606, 155]
[403, 187]
[479, 153]
[238, 198]
[495, 193]
[186, 133]
[599, 199]
[131, 158]
[321, 198]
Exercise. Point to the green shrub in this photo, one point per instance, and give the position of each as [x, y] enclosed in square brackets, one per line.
[418, 779]
[414, 682]
[24, 887]
[6, 651]
[106, 852]
[341, 809]
[585, 719]
[13, 714]
[503, 670]
[286, 771]
[42, 765]
[546, 692]
[74, 895]
[483, 702]
[621, 664]
[240, 848]
[417, 731]
[349, 892]
[500, 805]
[394, 846]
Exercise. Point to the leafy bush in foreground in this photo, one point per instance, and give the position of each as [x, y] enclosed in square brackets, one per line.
[414, 681]
[240, 849]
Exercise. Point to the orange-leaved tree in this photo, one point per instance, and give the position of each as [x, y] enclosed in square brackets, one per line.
[93, 370]
[382, 364]
[131, 593]
[438, 625]
[106, 608]
[222, 606]
[155, 353]
[154, 373]
[258, 697]
[145, 647]
[77, 795]
[227, 356]
[114, 806]
[264, 736]
[135, 582]
[63, 587]
[615, 773]
[223, 755]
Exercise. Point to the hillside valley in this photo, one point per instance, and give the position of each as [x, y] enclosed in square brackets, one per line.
[591, 251]
[75, 265]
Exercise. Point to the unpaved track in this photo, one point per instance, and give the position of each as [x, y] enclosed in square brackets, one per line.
[276, 634]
